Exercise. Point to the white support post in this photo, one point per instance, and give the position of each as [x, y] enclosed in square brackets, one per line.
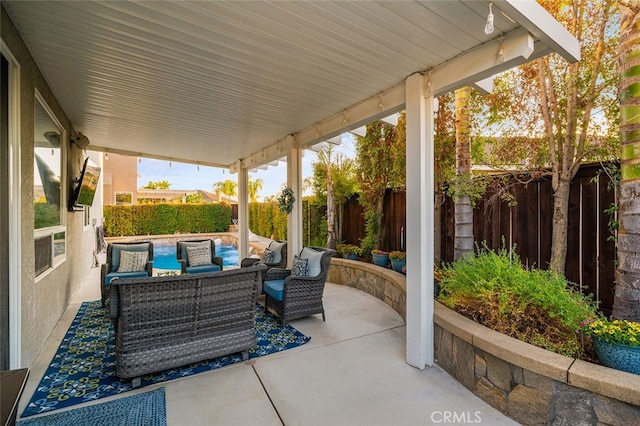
[420, 232]
[243, 213]
[294, 220]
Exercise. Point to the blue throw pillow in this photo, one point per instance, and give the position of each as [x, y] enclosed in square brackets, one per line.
[299, 267]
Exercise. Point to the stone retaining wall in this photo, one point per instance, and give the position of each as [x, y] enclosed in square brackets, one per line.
[531, 385]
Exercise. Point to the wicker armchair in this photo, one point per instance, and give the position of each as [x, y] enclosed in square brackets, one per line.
[282, 263]
[296, 296]
[183, 257]
[109, 270]
[250, 261]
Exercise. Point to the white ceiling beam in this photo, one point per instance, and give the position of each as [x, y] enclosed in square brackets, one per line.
[542, 25]
[147, 154]
[391, 119]
[485, 86]
[360, 131]
[476, 65]
[266, 155]
[381, 105]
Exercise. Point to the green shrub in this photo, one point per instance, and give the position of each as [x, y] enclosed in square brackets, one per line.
[267, 220]
[159, 219]
[535, 306]
[46, 215]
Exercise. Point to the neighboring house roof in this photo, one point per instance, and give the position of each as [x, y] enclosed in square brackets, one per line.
[174, 194]
[164, 194]
[210, 197]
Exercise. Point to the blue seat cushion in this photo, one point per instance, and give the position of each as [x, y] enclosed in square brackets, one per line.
[275, 289]
[203, 268]
[112, 275]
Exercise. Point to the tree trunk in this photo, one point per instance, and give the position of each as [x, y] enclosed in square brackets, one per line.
[339, 219]
[463, 211]
[331, 214]
[559, 227]
[379, 216]
[626, 302]
[437, 223]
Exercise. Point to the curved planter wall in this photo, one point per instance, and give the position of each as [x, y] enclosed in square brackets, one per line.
[527, 383]
[385, 284]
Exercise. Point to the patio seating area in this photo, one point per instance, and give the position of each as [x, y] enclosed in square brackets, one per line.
[353, 371]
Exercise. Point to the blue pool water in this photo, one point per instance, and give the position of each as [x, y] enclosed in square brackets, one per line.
[164, 256]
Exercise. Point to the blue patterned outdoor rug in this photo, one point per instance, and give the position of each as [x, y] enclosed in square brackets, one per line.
[144, 409]
[84, 367]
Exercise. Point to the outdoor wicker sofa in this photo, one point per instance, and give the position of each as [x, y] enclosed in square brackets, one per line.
[171, 321]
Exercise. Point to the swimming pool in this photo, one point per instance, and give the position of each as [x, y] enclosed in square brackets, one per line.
[164, 255]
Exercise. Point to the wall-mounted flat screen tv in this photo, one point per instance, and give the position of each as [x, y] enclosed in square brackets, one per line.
[87, 184]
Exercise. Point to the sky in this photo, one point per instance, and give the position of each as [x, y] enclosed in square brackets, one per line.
[187, 176]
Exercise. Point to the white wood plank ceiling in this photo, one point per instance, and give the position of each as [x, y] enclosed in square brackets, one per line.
[212, 82]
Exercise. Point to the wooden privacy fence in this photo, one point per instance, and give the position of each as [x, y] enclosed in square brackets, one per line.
[590, 255]
[394, 221]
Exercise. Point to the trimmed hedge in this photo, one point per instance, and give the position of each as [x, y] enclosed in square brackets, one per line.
[159, 219]
[266, 219]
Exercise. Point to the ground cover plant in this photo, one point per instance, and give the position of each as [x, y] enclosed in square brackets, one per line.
[538, 307]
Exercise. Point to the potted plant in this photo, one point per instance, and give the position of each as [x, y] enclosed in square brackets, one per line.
[617, 343]
[398, 260]
[380, 257]
[349, 251]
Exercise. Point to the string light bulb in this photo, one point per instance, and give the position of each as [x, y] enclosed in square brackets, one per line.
[106, 156]
[169, 163]
[488, 28]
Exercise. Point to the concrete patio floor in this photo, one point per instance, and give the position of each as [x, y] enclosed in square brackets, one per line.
[352, 372]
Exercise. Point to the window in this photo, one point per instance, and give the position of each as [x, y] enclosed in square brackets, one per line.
[48, 191]
[124, 198]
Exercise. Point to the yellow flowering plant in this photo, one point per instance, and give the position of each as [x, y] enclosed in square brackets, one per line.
[620, 332]
[347, 249]
[398, 255]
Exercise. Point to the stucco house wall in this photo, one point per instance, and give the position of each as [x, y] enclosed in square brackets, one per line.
[44, 300]
[120, 174]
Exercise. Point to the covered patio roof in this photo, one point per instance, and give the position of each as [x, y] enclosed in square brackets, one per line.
[242, 84]
[225, 83]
